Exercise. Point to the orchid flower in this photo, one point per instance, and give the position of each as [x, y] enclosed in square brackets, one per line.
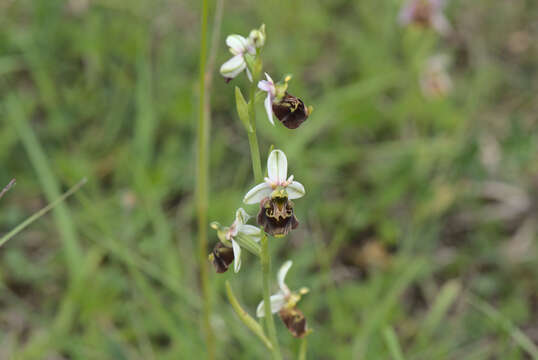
[426, 13]
[240, 47]
[277, 169]
[285, 302]
[229, 236]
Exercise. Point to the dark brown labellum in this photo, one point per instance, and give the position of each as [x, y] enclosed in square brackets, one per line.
[221, 257]
[291, 111]
[422, 13]
[276, 216]
[294, 320]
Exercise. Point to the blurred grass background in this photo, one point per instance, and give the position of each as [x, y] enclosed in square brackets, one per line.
[418, 231]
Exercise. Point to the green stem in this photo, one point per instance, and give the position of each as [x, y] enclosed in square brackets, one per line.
[302, 349]
[252, 138]
[266, 278]
[202, 188]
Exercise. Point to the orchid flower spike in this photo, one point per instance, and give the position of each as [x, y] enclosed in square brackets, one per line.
[285, 302]
[239, 231]
[277, 170]
[240, 48]
[427, 13]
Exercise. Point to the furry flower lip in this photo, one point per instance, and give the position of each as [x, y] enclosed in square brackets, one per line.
[284, 302]
[276, 214]
[290, 110]
[426, 13]
[231, 239]
[277, 171]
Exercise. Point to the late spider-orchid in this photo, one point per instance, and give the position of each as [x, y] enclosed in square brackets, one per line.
[284, 302]
[228, 249]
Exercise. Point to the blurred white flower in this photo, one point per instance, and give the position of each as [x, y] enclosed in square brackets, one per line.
[427, 13]
[240, 48]
[435, 82]
[277, 170]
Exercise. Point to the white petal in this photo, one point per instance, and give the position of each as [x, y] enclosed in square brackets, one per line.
[277, 166]
[269, 108]
[295, 190]
[249, 75]
[269, 78]
[257, 193]
[237, 256]
[282, 272]
[253, 231]
[277, 303]
[241, 216]
[233, 67]
[237, 44]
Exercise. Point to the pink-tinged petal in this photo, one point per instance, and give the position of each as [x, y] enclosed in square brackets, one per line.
[265, 85]
[257, 193]
[237, 256]
[269, 109]
[282, 272]
[295, 190]
[277, 303]
[406, 14]
[277, 166]
[237, 44]
[233, 67]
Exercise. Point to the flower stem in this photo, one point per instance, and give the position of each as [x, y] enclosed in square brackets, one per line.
[202, 188]
[302, 349]
[252, 138]
[266, 272]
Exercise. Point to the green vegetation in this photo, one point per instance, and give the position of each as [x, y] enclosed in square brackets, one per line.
[418, 231]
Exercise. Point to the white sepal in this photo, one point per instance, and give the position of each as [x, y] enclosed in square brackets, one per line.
[257, 193]
[233, 67]
[268, 103]
[237, 44]
[241, 216]
[277, 166]
[253, 232]
[237, 256]
[295, 190]
[277, 303]
[281, 277]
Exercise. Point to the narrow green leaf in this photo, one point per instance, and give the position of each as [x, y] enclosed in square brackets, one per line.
[392, 343]
[246, 318]
[242, 109]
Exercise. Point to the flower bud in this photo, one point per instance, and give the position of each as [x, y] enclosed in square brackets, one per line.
[257, 37]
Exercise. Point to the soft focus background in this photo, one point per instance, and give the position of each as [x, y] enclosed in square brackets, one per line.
[420, 218]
